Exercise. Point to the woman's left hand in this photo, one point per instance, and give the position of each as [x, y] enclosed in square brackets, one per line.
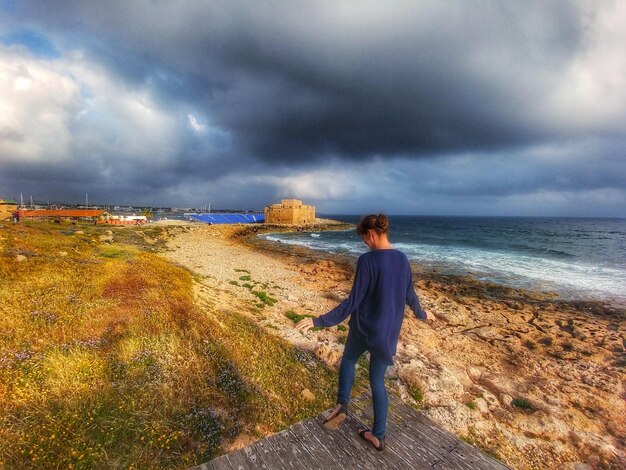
[305, 324]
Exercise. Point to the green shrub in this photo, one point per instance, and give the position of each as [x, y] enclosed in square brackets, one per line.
[522, 403]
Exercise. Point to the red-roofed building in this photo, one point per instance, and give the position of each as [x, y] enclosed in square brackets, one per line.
[58, 214]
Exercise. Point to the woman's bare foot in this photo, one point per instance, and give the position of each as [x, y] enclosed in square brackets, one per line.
[378, 444]
[336, 417]
[368, 436]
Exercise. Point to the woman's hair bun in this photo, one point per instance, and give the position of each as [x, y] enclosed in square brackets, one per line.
[377, 222]
[382, 222]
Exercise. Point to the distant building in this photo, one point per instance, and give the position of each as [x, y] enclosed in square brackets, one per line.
[7, 208]
[123, 219]
[289, 211]
[60, 214]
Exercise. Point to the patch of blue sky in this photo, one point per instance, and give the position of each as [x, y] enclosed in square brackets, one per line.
[35, 42]
[8, 5]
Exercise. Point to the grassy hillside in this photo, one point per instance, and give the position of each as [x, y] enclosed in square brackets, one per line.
[108, 360]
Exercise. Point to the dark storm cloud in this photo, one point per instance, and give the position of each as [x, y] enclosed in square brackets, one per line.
[411, 78]
[342, 103]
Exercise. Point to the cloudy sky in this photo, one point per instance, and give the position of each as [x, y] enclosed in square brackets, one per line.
[411, 107]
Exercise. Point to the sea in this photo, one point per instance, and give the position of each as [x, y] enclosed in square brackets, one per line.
[577, 258]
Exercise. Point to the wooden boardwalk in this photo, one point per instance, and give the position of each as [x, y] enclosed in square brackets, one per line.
[413, 442]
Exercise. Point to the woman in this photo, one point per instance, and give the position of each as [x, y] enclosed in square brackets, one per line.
[382, 287]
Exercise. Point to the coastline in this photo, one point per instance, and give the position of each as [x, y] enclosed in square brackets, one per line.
[534, 380]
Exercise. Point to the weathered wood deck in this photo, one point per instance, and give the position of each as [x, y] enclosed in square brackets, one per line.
[413, 442]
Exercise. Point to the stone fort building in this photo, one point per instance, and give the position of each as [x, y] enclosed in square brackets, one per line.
[289, 211]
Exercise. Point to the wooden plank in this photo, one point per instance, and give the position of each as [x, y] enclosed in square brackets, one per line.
[220, 463]
[263, 454]
[438, 445]
[341, 456]
[315, 445]
[362, 454]
[455, 446]
[392, 454]
[335, 456]
[345, 441]
[237, 461]
[253, 457]
[418, 454]
[444, 447]
[280, 451]
[414, 441]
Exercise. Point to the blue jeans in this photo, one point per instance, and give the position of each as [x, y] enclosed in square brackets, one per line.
[355, 347]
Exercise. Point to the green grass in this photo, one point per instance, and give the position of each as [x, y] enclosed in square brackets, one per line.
[114, 251]
[110, 361]
[342, 328]
[417, 394]
[244, 278]
[263, 297]
[295, 317]
[472, 405]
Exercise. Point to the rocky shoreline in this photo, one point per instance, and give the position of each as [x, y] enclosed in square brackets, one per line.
[533, 380]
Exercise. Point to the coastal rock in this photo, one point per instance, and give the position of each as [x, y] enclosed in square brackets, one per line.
[391, 373]
[452, 313]
[497, 384]
[455, 417]
[328, 354]
[20, 258]
[577, 466]
[482, 406]
[78, 232]
[474, 373]
[438, 384]
[491, 401]
[106, 238]
[505, 399]
[307, 395]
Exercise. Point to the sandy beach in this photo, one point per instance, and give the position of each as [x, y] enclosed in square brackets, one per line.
[537, 382]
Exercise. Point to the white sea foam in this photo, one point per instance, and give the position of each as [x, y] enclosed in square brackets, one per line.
[569, 277]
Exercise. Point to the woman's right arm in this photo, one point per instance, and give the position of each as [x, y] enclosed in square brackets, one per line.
[349, 305]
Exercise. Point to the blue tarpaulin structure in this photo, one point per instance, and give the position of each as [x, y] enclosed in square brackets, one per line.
[224, 218]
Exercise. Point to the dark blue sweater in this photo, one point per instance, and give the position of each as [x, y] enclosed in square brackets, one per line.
[382, 287]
